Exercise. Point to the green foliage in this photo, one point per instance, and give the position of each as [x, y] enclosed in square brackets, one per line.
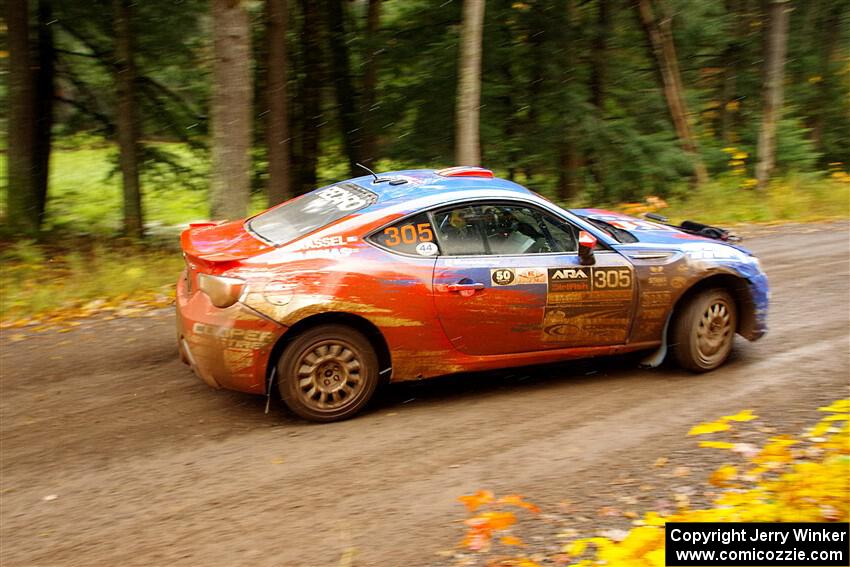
[538, 98]
[84, 278]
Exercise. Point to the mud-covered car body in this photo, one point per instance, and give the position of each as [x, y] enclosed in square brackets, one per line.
[399, 263]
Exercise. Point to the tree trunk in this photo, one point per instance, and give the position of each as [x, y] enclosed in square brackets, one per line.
[369, 143]
[569, 156]
[310, 95]
[44, 92]
[277, 126]
[467, 143]
[231, 99]
[829, 31]
[22, 204]
[660, 38]
[346, 95]
[126, 118]
[599, 54]
[772, 92]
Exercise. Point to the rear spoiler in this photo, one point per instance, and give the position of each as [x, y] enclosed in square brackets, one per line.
[697, 228]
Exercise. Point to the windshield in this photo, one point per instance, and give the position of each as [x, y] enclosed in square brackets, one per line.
[310, 212]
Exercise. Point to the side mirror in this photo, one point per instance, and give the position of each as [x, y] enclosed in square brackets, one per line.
[586, 244]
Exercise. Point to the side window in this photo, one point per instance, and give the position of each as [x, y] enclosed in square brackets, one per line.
[459, 231]
[414, 235]
[516, 229]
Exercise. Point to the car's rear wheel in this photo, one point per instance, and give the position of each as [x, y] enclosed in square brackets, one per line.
[704, 330]
[328, 373]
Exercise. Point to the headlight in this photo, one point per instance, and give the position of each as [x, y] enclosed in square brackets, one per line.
[223, 292]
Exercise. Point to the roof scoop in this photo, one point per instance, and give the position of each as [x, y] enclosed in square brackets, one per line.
[465, 171]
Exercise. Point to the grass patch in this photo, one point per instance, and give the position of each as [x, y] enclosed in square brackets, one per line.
[800, 198]
[48, 282]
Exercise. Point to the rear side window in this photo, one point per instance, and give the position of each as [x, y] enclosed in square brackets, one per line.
[310, 212]
[413, 235]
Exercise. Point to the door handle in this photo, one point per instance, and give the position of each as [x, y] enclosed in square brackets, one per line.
[474, 286]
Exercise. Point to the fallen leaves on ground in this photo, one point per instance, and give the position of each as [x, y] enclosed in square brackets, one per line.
[788, 479]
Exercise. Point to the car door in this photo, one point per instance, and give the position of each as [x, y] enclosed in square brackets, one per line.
[509, 280]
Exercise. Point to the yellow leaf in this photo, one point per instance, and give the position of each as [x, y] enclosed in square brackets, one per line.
[575, 548]
[710, 427]
[717, 444]
[838, 406]
[746, 415]
[723, 475]
[510, 540]
[837, 417]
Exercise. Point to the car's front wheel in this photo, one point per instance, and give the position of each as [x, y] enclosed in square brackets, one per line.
[327, 373]
[704, 330]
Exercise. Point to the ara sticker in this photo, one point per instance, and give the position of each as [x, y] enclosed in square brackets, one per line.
[426, 249]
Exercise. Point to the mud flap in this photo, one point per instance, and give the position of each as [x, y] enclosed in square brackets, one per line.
[269, 385]
[657, 356]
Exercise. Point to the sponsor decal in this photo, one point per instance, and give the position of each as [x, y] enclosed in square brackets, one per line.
[426, 249]
[656, 297]
[657, 281]
[231, 337]
[517, 276]
[590, 279]
[678, 282]
[341, 252]
[569, 279]
[586, 324]
[320, 242]
[342, 198]
[503, 276]
[656, 269]
[530, 276]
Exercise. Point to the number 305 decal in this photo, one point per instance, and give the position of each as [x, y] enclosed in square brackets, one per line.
[408, 234]
[614, 278]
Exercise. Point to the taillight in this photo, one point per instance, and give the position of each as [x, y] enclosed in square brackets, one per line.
[223, 292]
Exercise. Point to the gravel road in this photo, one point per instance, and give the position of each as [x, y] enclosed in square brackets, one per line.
[113, 453]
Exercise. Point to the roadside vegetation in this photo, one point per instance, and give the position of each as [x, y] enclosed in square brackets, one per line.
[79, 267]
[800, 478]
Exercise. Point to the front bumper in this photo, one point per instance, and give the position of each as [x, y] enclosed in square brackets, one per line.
[227, 348]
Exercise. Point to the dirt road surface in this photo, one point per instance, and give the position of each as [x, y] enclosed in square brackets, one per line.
[113, 453]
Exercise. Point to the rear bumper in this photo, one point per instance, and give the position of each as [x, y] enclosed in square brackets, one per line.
[226, 348]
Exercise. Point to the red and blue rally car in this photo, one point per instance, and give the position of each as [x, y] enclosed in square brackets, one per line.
[422, 273]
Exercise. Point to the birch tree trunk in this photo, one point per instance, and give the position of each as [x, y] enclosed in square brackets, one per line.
[277, 126]
[772, 93]
[467, 142]
[231, 98]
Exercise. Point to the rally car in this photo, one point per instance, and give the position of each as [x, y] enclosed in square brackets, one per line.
[420, 273]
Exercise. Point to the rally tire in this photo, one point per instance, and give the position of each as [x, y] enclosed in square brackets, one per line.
[703, 331]
[327, 373]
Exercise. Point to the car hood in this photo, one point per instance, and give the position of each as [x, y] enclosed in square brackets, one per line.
[646, 231]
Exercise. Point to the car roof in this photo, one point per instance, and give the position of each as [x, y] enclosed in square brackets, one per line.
[422, 184]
